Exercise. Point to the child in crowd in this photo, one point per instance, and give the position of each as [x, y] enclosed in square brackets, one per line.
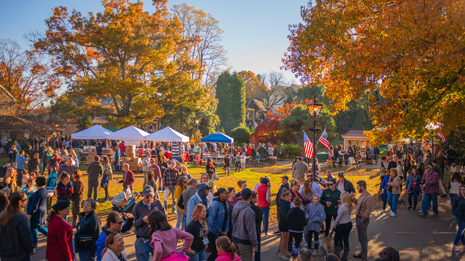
[227, 166]
[316, 215]
[64, 187]
[285, 206]
[226, 250]
[359, 160]
[257, 159]
[297, 224]
[238, 162]
[29, 189]
[243, 161]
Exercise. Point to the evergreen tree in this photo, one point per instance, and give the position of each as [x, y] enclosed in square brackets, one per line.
[230, 92]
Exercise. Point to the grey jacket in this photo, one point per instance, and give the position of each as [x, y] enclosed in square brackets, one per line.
[299, 170]
[94, 172]
[243, 220]
[140, 211]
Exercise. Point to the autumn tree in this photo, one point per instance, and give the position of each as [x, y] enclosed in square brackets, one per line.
[204, 30]
[230, 92]
[267, 131]
[253, 85]
[133, 58]
[276, 92]
[27, 77]
[407, 57]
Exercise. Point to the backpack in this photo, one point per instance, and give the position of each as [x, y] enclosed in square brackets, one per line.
[51, 181]
[104, 181]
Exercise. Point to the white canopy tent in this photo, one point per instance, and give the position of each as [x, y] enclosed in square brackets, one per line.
[167, 135]
[130, 133]
[95, 132]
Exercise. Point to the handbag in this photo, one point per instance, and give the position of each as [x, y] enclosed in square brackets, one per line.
[215, 176]
[85, 241]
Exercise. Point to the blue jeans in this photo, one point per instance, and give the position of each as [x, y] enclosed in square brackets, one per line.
[426, 203]
[266, 218]
[413, 194]
[178, 218]
[392, 201]
[198, 256]
[35, 233]
[452, 197]
[183, 222]
[143, 250]
[85, 255]
[460, 235]
[384, 201]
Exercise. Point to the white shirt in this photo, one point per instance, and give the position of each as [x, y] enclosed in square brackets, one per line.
[340, 186]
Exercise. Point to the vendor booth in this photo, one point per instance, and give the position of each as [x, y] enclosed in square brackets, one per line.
[217, 137]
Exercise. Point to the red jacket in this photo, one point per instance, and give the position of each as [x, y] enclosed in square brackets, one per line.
[59, 240]
[128, 180]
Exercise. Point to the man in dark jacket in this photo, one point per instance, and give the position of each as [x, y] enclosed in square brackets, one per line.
[141, 223]
[94, 172]
[438, 170]
[393, 163]
[285, 185]
[37, 210]
[376, 152]
[244, 235]
[344, 185]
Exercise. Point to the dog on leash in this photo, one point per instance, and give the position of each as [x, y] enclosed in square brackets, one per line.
[326, 246]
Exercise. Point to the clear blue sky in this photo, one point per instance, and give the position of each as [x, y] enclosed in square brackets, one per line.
[255, 31]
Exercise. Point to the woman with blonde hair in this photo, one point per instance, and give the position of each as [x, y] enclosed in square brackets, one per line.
[199, 229]
[343, 225]
[114, 248]
[10, 180]
[180, 187]
[394, 190]
[306, 189]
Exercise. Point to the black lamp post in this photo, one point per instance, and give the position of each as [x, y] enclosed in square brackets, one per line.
[314, 109]
[197, 132]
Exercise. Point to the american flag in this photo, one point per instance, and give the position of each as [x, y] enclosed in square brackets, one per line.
[325, 142]
[443, 138]
[308, 147]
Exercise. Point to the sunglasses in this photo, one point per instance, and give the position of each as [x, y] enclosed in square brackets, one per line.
[331, 184]
[23, 200]
[119, 223]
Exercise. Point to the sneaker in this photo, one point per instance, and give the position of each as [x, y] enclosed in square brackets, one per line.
[422, 214]
[454, 248]
[394, 215]
[287, 255]
[283, 257]
[409, 208]
[444, 196]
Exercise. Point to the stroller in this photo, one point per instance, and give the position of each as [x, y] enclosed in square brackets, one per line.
[124, 202]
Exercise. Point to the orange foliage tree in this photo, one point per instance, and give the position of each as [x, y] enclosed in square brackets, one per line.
[135, 59]
[408, 57]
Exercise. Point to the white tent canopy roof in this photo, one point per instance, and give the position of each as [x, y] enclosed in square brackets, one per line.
[130, 133]
[95, 132]
[167, 135]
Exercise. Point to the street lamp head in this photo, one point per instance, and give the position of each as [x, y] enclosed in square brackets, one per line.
[197, 121]
[314, 107]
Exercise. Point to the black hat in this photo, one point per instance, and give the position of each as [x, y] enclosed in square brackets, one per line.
[60, 205]
[246, 193]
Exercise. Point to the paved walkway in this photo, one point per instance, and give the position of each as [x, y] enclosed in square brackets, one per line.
[416, 238]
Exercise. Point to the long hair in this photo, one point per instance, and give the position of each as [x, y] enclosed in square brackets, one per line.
[226, 245]
[306, 189]
[157, 221]
[108, 241]
[347, 200]
[181, 184]
[456, 177]
[150, 175]
[62, 176]
[4, 199]
[13, 208]
[197, 209]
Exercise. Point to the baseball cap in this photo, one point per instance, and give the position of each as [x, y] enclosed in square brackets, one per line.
[340, 174]
[148, 190]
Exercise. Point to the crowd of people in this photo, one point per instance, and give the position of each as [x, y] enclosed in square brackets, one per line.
[226, 223]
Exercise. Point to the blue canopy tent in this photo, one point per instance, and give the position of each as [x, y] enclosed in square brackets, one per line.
[218, 137]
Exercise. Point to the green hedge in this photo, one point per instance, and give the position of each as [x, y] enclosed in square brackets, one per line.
[241, 135]
[292, 150]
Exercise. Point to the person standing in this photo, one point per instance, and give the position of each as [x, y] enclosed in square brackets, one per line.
[145, 166]
[344, 185]
[15, 235]
[244, 235]
[264, 201]
[128, 177]
[186, 195]
[200, 197]
[210, 168]
[181, 186]
[115, 224]
[394, 190]
[87, 231]
[218, 219]
[458, 209]
[299, 170]
[199, 229]
[60, 235]
[21, 161]
[413, 185]
[329, 199]
[141, 223]
[343, 225]
[169, 181]
[37, 210]
[316, 215]
[376, 153]
[78, 195]
[284, 185]
[117, 158]
[363, 211]
[94, 173]
[114, 248]
[258, 219]
[438, 170]
[297, 223]
[156, 172]
[430, 192]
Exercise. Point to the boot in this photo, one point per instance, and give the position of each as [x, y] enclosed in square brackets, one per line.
[345, 254]
[337, 251]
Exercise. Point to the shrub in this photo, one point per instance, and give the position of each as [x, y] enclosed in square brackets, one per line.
[241, 135]
[292, 150]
